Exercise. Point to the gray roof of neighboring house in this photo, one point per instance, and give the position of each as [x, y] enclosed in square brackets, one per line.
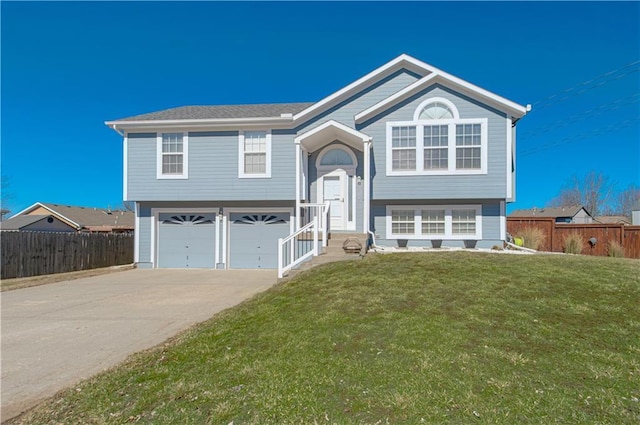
[89, 216]
[612, 219]
[18, 222]
[548, 212]
[267, 110]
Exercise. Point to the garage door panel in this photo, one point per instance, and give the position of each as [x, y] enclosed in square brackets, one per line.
[254, 239]
[186, 240]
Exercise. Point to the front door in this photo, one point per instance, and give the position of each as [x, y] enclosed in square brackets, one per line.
[333, 191]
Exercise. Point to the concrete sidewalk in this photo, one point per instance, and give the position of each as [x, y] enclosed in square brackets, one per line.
[56, 335]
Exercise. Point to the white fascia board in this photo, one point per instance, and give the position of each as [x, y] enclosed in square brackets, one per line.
[395, 98]
[449, 81]
[55, 213]
[196, 123]
[401, 61]
[337, 125]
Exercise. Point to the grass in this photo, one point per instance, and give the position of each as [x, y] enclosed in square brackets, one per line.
[407, 338]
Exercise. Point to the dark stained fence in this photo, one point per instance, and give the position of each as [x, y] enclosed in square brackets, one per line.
[25, 254]
[555, 234]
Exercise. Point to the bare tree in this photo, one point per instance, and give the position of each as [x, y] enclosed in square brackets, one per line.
[595, 192]
[626, 200]
[6, 196]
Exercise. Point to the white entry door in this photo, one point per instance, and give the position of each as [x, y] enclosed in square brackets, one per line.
[333, 191]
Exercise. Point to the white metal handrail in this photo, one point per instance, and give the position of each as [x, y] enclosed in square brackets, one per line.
[321, 211]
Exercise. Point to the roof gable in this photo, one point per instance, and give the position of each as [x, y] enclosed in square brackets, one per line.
[291, 114]
[552, 212]
[80, 217]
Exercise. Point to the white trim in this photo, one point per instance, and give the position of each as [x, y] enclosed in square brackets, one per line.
[136, 234]
[335, 130]
[451, 170]
[217, 252]
[298, 182]
[155, 227]
[367, 188]
[450, 105]
[350, 168]
[402, 61]
[225, 238]
[448, 80]
[55, 213]
[509, 150]
[152, 240]
[428, 73]
[503, 221]
[125, 171]
[241, 154]
[343, 176]
[448, 235]
[227, 228]
[185, 157]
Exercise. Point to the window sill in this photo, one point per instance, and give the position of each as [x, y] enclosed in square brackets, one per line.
[254, 176]
[436, 173]
[172, 177]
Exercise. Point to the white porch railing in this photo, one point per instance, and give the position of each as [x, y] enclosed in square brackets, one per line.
[312, 211]
[304, 242]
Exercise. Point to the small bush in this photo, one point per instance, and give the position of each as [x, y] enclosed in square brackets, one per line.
[615, 249]
[573, 244]
[532, 237]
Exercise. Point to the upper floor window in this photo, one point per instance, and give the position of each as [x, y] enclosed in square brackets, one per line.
[172, 156]
[436, 111]
[437, 141]
[254, 154]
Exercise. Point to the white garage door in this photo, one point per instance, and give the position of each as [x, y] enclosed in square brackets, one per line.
[186, 240]
[253, 242]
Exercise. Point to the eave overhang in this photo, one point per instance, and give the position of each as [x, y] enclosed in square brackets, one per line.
[326, 133]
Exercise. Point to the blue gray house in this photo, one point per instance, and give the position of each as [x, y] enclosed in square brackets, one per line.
[407, 154]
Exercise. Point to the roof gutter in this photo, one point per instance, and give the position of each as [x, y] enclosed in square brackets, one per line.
[197, 123]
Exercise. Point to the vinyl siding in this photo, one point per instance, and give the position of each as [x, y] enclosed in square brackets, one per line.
[492, 185]
[345, 111]
[213, 170]
[490, 223]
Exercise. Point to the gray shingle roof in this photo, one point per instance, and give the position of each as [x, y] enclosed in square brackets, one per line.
[88, 216]
[18, 222]
[548, 212]
[266, 110]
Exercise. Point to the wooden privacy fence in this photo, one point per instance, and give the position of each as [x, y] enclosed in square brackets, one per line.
[26, 254]
[555, 234]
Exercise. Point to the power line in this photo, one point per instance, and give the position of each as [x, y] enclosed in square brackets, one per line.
[588, 85]
[580, 116]
[612, 128]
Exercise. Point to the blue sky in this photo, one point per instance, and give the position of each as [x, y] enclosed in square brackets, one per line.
[68, 67]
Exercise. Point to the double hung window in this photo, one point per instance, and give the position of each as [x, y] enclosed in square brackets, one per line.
[254, 154]
[172, 156]
[434, 222]
[437, 141]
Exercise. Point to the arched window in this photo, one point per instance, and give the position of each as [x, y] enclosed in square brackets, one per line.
[336, 157]
[436, 108]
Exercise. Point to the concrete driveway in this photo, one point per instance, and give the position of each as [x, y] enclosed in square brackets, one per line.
[55, 335]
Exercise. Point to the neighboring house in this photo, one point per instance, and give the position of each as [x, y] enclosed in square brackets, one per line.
[35, 223]
[84, 219]
[635, 214]
[409, 152]
[575, 214]
[613, 219]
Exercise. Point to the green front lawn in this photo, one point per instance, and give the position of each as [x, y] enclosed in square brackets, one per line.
[406, 338]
